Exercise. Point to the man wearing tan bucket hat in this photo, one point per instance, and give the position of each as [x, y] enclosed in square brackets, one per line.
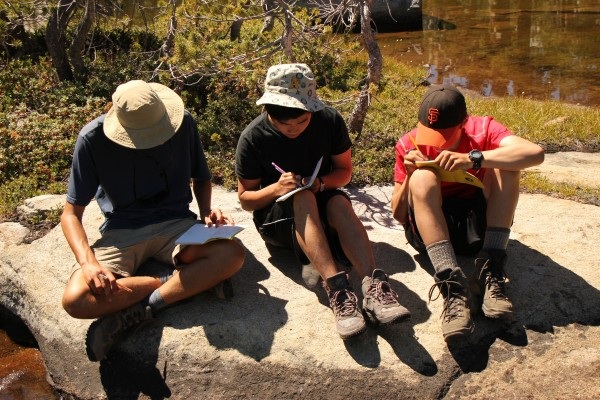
[443, 218]
[138, 161]
[296, 136]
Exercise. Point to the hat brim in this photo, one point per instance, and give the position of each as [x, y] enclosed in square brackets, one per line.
[434, 137]
[151, 136]
[289, 100]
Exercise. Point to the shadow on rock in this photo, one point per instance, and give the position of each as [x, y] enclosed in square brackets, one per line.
[127, 375]
[544, 294]
[392, 259]
[406, 346]
[363, 348]
[287, 263]
[246, 323]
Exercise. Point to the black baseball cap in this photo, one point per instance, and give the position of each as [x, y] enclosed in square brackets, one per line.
[442, 110]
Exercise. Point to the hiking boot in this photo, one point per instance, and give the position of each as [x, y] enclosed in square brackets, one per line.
[380, 301]
[310, 276]
[344, 303]
[456, 316]
[106, 331]
[223, 290]
[488, 283]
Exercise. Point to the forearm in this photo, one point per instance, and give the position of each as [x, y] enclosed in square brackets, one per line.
[514, 154]
[252, 200]
[203, 193]
[77, 239]
[336, 178]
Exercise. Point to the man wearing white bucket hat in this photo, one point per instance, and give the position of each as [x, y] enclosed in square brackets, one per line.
[298, 136]
[138, 161]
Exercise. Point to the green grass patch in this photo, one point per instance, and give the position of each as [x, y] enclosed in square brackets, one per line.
[534, 182]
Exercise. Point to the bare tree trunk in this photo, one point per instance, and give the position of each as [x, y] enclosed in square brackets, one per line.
[168, 48]
[77, 47]
[374, 68]
[286, 39]
[55, 36]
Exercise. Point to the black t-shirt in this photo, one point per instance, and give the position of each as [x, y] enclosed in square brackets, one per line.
[260, 144]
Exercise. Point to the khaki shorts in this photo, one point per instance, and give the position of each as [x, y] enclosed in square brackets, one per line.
[122, 251]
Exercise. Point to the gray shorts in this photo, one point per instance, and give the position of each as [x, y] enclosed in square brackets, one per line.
[122, 251]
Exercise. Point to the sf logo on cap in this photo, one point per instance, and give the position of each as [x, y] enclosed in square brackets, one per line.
[432, 115]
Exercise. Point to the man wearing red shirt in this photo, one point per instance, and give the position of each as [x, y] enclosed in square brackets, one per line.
[447, 218]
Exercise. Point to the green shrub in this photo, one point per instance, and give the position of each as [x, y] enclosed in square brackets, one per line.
[14, 192]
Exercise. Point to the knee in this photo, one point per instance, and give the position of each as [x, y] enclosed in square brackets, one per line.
[73, 304]
[424, 184]
[304, 202]
[75, 297]
[234, 254]
[339, 210]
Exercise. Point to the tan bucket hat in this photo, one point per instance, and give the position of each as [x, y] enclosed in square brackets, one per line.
[143, 115]
[291, 85]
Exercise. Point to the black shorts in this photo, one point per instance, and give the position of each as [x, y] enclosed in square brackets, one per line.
[466, 220]
[276, 226]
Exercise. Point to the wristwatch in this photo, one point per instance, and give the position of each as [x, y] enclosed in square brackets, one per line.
[476, 157]
[322, 187]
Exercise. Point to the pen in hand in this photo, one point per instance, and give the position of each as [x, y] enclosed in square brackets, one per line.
[282, 171]
[414, 142]
[278, 168]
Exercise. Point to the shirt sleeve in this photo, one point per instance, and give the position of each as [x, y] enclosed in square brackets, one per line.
[341, 140]
[403, 145]
[84, 180]
[495, 133]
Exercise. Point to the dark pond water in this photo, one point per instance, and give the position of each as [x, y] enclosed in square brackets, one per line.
[540, 49]
[22, 371]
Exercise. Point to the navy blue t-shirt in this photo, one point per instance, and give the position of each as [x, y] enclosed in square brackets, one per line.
[133, 187]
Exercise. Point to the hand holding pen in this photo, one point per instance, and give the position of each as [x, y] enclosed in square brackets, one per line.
[413, 155]
[287, 179]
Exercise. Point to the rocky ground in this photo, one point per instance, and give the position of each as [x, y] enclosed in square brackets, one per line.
[276, 339]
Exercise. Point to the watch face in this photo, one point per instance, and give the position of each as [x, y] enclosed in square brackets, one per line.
[476, 157]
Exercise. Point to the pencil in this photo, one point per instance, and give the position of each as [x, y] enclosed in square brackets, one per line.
[278, 168]
[413, 142]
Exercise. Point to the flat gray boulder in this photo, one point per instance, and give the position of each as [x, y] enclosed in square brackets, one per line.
[276, 339]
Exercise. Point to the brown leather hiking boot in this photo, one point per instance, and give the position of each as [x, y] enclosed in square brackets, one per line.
[108, 330]
[488, 284]
[457, 324]
[380, 301]
[344, 303]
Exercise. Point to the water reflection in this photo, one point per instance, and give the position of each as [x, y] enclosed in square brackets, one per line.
[541, 49]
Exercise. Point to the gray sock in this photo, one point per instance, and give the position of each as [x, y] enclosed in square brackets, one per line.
[155, 301]
[442, 256]
[496, 238]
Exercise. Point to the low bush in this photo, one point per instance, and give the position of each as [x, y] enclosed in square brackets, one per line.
[40, 118]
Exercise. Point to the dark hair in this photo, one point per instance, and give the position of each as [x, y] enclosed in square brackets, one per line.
[281, 113]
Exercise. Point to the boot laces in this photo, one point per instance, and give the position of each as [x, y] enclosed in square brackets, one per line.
[382, 292]
[344, 303]
[133, 317]
[494, 280]
[454, 302]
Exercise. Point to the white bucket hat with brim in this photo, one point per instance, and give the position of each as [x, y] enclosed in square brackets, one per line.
[291, 85]
[143, 115]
